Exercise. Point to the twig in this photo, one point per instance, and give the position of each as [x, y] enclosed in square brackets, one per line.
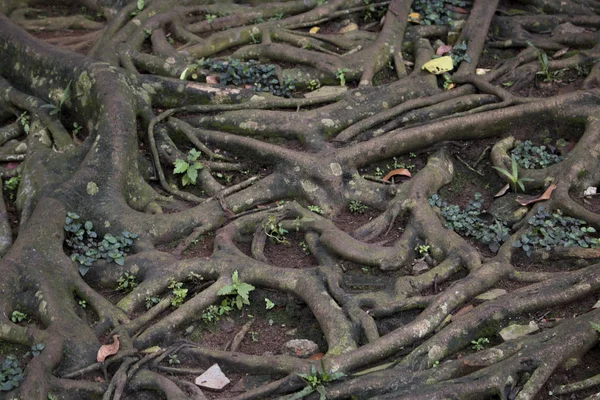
[468, 166]
[482, 156]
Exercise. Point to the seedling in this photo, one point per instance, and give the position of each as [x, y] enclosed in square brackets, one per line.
[210, 17]
[480, 343]
[314, 84]
[315, 209]
[269, 304]
[82, 303]
[239, 289]
[357, 207]
[275, 231]
[18, 316]
[126, 282]
[422, 249]
[316, 381]
[253, 336]
[513, 178]
[24, 121]
[340, 74]
[189, 167]
[173, 359]
[178, 291]
[151, 301]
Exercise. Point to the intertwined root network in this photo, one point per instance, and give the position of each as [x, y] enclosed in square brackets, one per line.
[131, 137]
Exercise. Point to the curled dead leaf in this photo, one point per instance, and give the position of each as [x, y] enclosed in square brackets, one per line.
[108, 349]
[396, 172]
[317, 356]
[211, 80]
[545, 196]
[502, 191]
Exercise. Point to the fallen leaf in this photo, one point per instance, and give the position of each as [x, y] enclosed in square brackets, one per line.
[314, 30]
[544, 196]
[211, 79]
[108, 349]
[151, 350]
[317, 356]
[463, 310]
[349, 28]
[443, 49]
[440, 65]
[99, 379]
[415, 18]
[458, 10]
[561, 52]
[394, 172]
[502, 191]
[482, 71]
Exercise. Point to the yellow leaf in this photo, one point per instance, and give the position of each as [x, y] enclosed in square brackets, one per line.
[414, 18]
[151, 350]
[439, 65]
[314, 30]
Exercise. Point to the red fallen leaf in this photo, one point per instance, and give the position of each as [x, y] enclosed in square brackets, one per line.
[99, 379]
[317, 356]
[108, 349]
[463, 310]
[211, 79]
[545, 196]
[457, 9]
[443, 49]
[12, 165]
[502, 191]
[394, 172]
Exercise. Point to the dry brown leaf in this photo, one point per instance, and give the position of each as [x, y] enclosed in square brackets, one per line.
[108, 349]
[317, 356]
[561, 52]
[211, 80]
[395, 172]
[502, 191]
[545, 196]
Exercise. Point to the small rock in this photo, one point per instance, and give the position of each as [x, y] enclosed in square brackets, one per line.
[491, 294]
[590, 191]
[567, 28]
[326, 91]
[507, 210]
[213, 379]
[292, 332]
[227, 325]
[302, 348]
[516, 331]
[420, 265]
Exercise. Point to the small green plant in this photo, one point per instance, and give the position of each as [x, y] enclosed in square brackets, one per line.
[126, 282]
[459, 54]
[468, 222]
[269, 304]
[173, 359]
[530, 156]
[76, 128]
[435, 12]
[314, 84]
[513, 178]
[66, 94]
[304, 246]
[210, 17]
[357, 207]
[378, 172]
[340, 74]
[315, 209]
[87, 248]
[36, 349]
[595, 326]
[189, 167]
[17, 316]
[277, 17]
[140, 7]
[422, 249]
[239, 289]
[549, 231]
[253, 336]
[52, 397]
[178, 291]
[151, 301]
[11, 375]
[480, 343]
[24, 121]
[12, 184]
[275, 231]
[316, 381]
[508, 84]
[82, 303]
[436, 363]
[214, 313]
